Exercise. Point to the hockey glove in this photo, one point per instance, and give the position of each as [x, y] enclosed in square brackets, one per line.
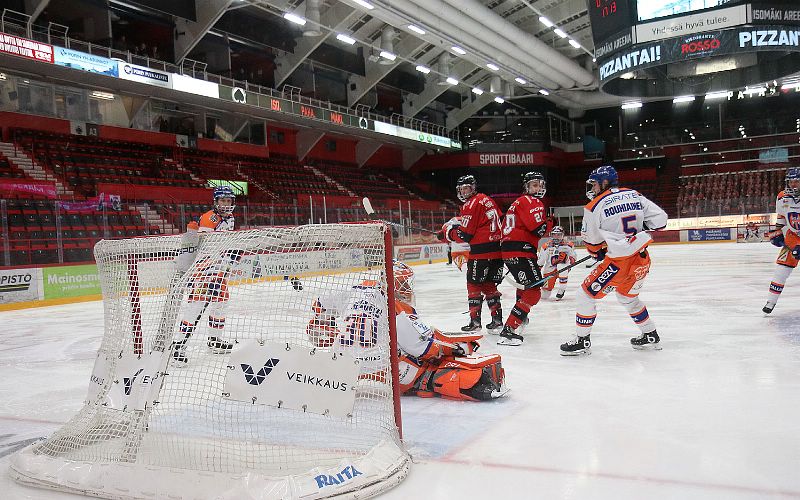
[188, 249]
[600, 254]
[796, 252]
[440, 236]
[778, 239]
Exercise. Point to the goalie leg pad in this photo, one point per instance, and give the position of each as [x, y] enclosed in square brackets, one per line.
[451, 344]
[471, 378]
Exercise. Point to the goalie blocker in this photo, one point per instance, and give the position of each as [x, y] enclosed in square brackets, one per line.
[432, 363]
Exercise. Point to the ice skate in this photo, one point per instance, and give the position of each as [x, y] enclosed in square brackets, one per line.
[473, 326]
[646, 341]
[179, 358]
[577, 346]
[219, 346]
[495, 325]
[509, 337]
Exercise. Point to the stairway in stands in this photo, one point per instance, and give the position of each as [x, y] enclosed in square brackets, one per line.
[32, 169]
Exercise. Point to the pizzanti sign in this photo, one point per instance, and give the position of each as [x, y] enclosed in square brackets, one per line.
[699, 45]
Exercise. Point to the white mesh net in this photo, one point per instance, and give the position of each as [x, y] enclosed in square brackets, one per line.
[171, 411]
[753, 232]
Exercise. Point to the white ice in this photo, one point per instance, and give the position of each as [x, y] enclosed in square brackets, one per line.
[713, 415]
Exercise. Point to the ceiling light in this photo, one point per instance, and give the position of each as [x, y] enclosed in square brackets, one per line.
[451, 80]
[477, 91]
[574, 43]
[492, 67]
[102, 95]
[722, 94]
[388, 55]
[294, 18]
[521, 81]
[546, 21]
[560, 33]
[499, 100]
[423, 69]
[632, 105]
[682, 99]
[458, 50]
[364, 4]
[416, 29]
[346, 39]
[544, 92]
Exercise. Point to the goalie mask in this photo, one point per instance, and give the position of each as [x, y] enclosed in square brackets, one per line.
[557, 234]
[224, 200]
[403, 283]
[793, 182]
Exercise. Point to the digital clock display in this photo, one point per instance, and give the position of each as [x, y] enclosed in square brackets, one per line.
[608, 17]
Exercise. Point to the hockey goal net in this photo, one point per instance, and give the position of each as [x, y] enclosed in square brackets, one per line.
[753, 232]
[274, 417]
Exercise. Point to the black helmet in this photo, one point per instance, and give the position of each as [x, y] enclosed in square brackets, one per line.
[534, 176]
[466, 180]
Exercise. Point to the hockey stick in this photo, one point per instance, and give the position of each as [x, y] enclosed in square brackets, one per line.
[371, 213]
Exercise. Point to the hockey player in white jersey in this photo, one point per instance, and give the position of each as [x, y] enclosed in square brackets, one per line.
[614, 228]
[432, 363]
[554, 254]
[208, 285]
[786, 236]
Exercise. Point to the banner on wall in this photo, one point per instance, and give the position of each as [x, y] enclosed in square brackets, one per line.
[85, 62]
[42, 189]
[142, 74]
[20, 285]
[715, 234]
[29, 49]
[419, 254]
[70, 281]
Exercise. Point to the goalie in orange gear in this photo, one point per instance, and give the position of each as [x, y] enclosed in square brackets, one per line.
[431, 362]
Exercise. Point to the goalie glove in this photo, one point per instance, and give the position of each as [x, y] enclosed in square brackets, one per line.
[188, 250]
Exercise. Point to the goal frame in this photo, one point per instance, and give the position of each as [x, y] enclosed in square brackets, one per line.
[382, 467]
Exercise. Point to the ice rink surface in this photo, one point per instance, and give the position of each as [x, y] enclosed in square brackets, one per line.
[713, 415]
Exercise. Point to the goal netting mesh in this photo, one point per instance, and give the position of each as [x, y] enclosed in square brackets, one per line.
[753, 232]
[276, 416]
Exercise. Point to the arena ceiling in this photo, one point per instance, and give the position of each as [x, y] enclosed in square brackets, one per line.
[503, 48]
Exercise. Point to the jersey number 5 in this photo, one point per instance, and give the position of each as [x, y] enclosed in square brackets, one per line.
[626, 224]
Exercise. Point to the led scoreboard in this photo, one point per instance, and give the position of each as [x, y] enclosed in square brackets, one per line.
[609, 17]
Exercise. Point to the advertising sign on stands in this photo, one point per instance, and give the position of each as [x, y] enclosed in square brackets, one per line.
[194, 86]
[716, 234]
[712, 43]
[85, 62]
[46, 189]
[20, 285]
[773, 155]
[420, 254]
[70, 281]
[775, 13]
[22, 47]
[693, 23]
[143, 74]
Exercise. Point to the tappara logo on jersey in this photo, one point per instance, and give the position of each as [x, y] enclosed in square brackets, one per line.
[793, 218]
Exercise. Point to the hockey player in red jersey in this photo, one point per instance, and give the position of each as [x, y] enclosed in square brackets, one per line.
[432, 363]
[524, 225]
[480, 228]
